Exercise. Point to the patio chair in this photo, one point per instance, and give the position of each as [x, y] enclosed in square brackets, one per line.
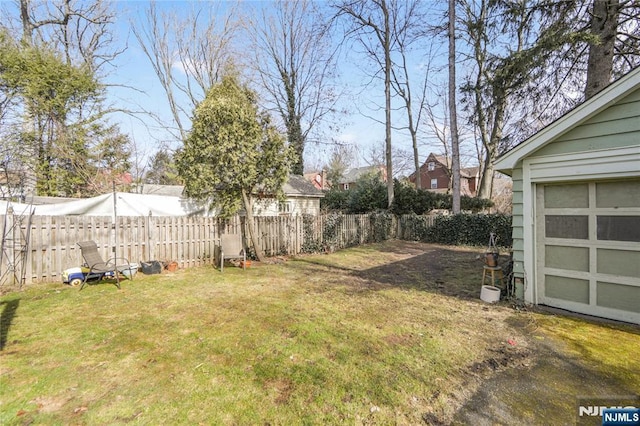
[97, 265]
[231, 247]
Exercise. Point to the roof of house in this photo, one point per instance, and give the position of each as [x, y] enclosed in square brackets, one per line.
[354, 174]
[445, 161]
[578, 115]
[298, 186]
[172, 190]
[469, 172]
[466, 172]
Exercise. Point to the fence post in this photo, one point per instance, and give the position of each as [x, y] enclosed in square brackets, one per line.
[8, 254]
[150, 244]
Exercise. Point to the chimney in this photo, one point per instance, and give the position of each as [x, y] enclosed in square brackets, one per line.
[323, 180]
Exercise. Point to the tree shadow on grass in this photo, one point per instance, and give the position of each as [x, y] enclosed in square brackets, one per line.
[9, 308]
[451, 271]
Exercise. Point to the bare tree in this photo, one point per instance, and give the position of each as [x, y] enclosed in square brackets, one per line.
[402, 159]
[341, 159]
[510, 44]
[189, 53]
[295, 62]
[80, 30]
[407, 32]
[453, 116]
[371, 23]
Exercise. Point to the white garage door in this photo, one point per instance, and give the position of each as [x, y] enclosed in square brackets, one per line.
[588, 248]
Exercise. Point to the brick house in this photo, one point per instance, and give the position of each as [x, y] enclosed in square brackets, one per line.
[318, 179]
[435, 176]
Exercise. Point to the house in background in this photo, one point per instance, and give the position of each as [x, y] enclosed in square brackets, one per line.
[301, 197]
[576, 207]
[155, 189]
[318, 179]
[435, 176]
[350, 178]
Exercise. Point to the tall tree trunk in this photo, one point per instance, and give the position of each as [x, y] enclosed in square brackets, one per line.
[416, 160]
[486, 182]
[387, 95]
[455, 143]
[248, 207]
[27, 25]
[604, 24]
[294, 128]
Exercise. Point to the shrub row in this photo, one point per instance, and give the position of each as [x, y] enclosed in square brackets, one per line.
[470, 229]
[462, 229]
[370, 194]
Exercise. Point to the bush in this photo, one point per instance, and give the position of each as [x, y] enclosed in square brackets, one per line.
[409, 200]
[474, 204]
[334, 199]
[369, 194]
[311, 243]
[470, 229]
[331, 229]
[381, 223]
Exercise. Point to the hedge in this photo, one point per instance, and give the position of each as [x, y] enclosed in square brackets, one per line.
[470, 229]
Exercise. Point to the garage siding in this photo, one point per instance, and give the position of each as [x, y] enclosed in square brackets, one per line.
[517, 231]
[615, 127]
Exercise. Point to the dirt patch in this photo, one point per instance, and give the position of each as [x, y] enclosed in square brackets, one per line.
[49, 404]
[451, 271]
[501, 359]
[282, 388]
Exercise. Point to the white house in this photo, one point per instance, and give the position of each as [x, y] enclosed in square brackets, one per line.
[301, 197]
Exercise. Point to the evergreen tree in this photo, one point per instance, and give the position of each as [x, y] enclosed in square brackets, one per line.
[233, 153]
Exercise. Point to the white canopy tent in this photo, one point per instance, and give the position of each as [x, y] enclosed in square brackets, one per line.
[125, 204]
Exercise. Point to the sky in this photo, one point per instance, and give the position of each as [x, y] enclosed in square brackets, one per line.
[134, 87]
[361, 127]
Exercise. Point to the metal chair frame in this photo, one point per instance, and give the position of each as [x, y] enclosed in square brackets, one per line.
[97, 265]
[231, 247]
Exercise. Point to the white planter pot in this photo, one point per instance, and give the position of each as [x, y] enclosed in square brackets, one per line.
[490, 294]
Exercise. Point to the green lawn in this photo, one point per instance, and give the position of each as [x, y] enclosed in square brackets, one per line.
[392, 333]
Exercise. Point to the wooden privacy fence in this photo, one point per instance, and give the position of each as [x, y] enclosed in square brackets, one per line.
[40, 248]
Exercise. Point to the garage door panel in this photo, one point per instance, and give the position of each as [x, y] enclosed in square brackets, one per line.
[618, 228]
[619, 262]
[565, 257]
[565, 288]
[618, 296]
[566, 196]
[617, 194]
[567, 226]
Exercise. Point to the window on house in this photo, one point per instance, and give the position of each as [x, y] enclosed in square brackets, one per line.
[434, 183]
[431, 166]
[346, 186]
[285, 207]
